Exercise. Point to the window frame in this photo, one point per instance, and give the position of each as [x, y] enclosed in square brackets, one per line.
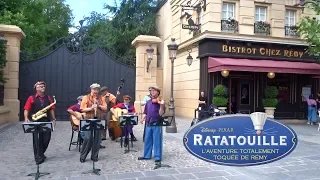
[227, 11]
[294, 15]
[259, 13]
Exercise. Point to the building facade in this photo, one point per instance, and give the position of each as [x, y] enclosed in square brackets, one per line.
[237, 43]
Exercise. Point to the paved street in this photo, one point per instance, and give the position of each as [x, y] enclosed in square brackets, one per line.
[17, 159]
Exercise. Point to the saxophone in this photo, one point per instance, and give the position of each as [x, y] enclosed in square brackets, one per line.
[43, 112]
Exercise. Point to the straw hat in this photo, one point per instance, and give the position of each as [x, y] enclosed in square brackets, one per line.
[126, 96]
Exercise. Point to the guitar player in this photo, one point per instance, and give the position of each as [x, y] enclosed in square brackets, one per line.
[131, 110]
[76, 115]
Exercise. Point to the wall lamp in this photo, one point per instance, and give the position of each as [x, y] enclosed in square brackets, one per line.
[150, 51]
[189, 58]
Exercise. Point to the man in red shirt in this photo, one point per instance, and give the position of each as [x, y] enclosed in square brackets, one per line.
[34, 104]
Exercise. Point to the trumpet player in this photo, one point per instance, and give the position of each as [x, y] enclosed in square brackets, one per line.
[93, 105]
[34, 104]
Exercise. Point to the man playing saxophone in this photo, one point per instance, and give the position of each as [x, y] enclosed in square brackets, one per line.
[93, 105]
[40, 102]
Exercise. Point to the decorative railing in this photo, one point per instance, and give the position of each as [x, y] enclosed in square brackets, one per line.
[262, 27]
[229, 25]
[291, 31]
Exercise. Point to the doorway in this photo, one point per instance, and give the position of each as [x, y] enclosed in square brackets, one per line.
[241, 96]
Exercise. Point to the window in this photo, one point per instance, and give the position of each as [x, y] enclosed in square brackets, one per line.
[290, 18]
[227, 11]
[261, 14]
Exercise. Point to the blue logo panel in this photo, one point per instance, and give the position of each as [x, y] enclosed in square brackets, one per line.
[240, 140]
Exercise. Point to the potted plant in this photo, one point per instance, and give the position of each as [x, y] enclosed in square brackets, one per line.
[270, 101]
[219, 97]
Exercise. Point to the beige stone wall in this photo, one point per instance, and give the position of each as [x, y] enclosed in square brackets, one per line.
[10, 111]
[186, 84]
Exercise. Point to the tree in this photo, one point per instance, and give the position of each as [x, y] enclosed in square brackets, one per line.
[43, 21]
[130, 19]
[309, 29]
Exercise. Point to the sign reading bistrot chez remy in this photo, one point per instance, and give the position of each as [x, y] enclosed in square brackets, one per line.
[240, 140]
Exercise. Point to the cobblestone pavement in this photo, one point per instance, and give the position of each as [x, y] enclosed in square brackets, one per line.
[17, 159]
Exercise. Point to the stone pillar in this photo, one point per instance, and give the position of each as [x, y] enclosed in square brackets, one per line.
[13, 35]
[145, 79]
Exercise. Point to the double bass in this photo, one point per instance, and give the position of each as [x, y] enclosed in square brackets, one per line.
[114, 128]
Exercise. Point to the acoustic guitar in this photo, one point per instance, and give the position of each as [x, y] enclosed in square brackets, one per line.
[76, 121]
[118, 112]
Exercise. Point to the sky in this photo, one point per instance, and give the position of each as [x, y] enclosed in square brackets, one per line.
[82, 8]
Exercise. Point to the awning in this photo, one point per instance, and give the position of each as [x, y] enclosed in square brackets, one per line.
[218, 64]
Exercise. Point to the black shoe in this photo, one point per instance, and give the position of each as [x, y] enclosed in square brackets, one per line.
[157, 161]
[126, 142]
[102, 147]
[142, 158]
[82, 160]
[94, 159]
[40, 161]
[103, 138]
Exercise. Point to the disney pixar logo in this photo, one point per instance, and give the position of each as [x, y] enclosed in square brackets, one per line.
[240, 140]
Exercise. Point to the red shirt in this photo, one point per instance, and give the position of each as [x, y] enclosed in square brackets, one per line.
[130, 108]
[30, 101]
[75, 108]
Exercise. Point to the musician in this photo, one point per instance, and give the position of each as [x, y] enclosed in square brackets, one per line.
[34, 104]
[153, 137]
[93, 105]
[76, 108]
[131, 110]
[110, 101]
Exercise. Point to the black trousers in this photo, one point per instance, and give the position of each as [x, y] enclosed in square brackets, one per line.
[91, 143]
[44, 140]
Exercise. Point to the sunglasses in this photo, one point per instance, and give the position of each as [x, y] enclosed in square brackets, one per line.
[126, 99]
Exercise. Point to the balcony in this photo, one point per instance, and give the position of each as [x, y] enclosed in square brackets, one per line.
[291, 31]
[262, 28]
[229, 25]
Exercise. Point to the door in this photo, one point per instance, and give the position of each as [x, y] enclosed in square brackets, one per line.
[245, 96]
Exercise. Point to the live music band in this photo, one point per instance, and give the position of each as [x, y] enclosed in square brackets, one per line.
[99, 104]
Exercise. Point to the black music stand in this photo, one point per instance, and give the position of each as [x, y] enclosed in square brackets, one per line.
[162, 121]
[127, 120]
[37, 127]
[92, 125]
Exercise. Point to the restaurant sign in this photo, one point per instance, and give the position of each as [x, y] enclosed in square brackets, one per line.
[190, 12]
[240, 140]
[262, 51]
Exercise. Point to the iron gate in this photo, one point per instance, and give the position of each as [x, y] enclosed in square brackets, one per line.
[69, 66]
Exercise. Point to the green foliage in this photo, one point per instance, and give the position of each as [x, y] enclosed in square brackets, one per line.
[3, 61]
[270, 102]
[43, 21]
[309, 29]
[219, 96]
[271, 93]
[130, 19]
[220, 90]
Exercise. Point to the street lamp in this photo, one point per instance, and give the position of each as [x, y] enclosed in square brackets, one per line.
[150, 51]
[304, 2]
[173, 48]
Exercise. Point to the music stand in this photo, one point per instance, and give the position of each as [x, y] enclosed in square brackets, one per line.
[162, 121]
[92, 125]
[127, 120]
[37, 127]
